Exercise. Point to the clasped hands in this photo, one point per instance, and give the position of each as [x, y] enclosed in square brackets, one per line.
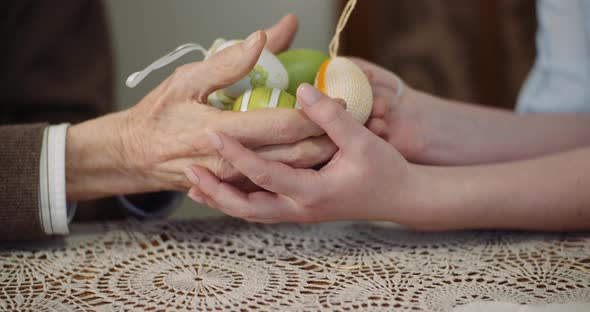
[354, 184]
[252, 165]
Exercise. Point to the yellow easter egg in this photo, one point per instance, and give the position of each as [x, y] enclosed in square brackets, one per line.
[340, 78]
[264, 97]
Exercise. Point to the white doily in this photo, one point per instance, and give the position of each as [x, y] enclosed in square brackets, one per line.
[230, 265]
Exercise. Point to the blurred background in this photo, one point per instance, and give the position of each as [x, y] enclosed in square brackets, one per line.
[477, 51]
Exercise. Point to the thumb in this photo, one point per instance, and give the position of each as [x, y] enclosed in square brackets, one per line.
[221, 70]
[331, 116]
[281, 35]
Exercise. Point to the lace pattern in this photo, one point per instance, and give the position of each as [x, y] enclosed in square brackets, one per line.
[230, 265]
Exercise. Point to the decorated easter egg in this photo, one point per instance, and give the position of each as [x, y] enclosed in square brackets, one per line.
[268, 72]
[302, 66]
[264, 97]
[340, 78]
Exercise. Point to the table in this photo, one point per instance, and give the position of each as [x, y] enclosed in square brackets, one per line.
[230, 265]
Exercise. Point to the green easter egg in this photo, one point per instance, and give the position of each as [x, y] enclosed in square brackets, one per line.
[264, 97]
[302, 66]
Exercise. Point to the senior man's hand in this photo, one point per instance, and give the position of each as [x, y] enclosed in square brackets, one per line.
[149, 146]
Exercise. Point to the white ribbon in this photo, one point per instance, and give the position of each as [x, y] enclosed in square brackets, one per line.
[134, 79]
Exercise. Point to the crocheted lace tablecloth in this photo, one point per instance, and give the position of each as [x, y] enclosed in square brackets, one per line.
[230, 265]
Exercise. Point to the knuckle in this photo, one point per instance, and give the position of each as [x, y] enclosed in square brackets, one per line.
[262, 179]
[298, 154]
[325, 153]
[224, 170]
[286, 131]
[331, 111]
[183, 77]
[224, 66]
[202, 95]
[300, 126]
[181, 72]
[310, 153]
[308, 202]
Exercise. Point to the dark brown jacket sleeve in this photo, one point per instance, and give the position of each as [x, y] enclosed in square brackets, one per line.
[20, 147]
[55, 66]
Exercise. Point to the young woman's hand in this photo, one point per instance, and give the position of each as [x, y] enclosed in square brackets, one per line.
[394, 117]
[366, 179]
[436, 131]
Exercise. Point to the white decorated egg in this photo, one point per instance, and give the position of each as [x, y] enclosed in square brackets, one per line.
[265, 97]
[268, 72]
[340, 78]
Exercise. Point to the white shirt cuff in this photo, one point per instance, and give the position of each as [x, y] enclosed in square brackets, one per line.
[55, 213]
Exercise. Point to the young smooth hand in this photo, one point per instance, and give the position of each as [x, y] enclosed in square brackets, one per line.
[366, 179]
[430, 130]
[394, 117]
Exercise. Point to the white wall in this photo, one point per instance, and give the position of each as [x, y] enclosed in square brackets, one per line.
[146, 30]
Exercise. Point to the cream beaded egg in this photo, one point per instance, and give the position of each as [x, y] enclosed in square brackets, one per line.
[340, 78]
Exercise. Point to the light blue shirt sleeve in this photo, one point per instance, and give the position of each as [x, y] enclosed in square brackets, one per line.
[151, 206]
[560, 78]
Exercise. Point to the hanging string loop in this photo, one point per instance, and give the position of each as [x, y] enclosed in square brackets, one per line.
[344, 17]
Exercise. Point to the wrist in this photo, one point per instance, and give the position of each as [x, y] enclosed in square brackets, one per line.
[417, 200]
[434, 200]
[409, 129]
[452, 198]
[435, 126]
[96, 163]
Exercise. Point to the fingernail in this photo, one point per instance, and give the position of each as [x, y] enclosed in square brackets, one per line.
[251, 41]
[196, 198]
[309, 94]
[191, 176]
[215, 140]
